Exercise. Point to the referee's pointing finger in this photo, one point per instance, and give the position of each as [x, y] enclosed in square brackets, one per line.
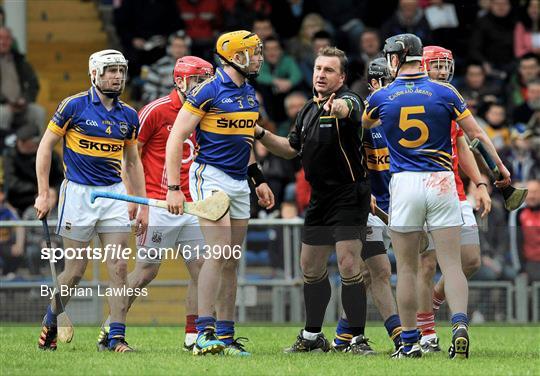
[330, 102]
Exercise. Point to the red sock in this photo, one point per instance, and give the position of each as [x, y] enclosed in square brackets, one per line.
[190, 323]
[426, 323]
[438, 300]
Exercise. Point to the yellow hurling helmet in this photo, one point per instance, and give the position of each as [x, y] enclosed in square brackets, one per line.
[239, 42]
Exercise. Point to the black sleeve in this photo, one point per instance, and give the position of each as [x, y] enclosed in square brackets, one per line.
[295, 135]
[356, 106]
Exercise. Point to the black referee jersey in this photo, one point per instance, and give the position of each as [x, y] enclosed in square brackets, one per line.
[330, 148]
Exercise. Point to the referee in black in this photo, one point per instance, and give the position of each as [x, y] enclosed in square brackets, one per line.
[327, 137]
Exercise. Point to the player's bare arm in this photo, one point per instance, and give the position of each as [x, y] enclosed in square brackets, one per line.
[277, 145]
[43, 169]
[473, 130]
[469, 166]
[135, 176]
[263, 191]
[183, 126]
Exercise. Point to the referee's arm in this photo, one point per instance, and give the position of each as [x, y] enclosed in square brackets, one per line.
[277, 145]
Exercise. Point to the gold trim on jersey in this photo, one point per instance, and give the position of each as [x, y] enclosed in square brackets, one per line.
[101, 147]
[230, 123]
[198, 88]
[367, 114]
[194, 110]
[440, 157]
[463, 115]
[449, 156]
[58, 130]
[64, 103]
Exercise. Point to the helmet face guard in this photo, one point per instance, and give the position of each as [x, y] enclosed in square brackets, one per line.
[97, 67]
[378, 70]
[439, 59]
[240, 43]
[191, 70]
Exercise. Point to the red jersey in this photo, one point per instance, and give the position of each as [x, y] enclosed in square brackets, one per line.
[157, 119]
[457, 132]
[530, 222]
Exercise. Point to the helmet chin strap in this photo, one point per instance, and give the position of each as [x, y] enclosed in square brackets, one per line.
[248, 75]
[108, 94]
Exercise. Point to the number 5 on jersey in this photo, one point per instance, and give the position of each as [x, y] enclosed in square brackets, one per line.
[405, 123]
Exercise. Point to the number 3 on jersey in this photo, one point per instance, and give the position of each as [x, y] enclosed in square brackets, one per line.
[405, 123]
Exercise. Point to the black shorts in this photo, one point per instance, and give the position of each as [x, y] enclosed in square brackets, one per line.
[370, 249]
[337, 214]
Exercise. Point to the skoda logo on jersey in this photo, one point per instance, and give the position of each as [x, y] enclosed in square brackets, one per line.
[226, 100]
[123, 127]
[251, 100]
[92, 123]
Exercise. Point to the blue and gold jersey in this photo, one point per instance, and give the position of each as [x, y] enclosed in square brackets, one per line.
[227, 128]
[416, 115]
[94, 138]
[378, 163]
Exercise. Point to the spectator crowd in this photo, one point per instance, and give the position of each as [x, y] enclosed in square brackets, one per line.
[495, 43]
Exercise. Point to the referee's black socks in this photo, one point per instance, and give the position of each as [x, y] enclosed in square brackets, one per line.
[353, 298]
[317, 294]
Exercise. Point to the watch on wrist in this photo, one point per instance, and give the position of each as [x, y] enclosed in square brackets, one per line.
[481, 183]
[173, 187]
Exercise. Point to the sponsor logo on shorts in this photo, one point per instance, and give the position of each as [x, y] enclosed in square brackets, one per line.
[157, 237]
[68, 226]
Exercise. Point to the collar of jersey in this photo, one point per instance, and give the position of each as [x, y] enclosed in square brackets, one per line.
[411, 76]
[175, 99]
[95, 98]
[225, 79]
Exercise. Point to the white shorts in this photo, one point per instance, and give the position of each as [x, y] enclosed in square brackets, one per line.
[469, 230]
[377, 231]
[203, 179]
[423, 198]
[166, 230]
[80, 220]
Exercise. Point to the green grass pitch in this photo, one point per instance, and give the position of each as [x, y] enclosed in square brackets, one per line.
[496, 350]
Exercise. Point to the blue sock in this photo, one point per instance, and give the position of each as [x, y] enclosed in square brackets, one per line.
[204, 323]
[459, 319]
[409, 338]
[343, 332]
[225, 331]
[117, 331]
[393, 328]
[50, 317]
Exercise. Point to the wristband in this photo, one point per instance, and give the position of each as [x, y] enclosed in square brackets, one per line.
[261, 135]
[479, 184]
[256, 175]
[173, 187]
